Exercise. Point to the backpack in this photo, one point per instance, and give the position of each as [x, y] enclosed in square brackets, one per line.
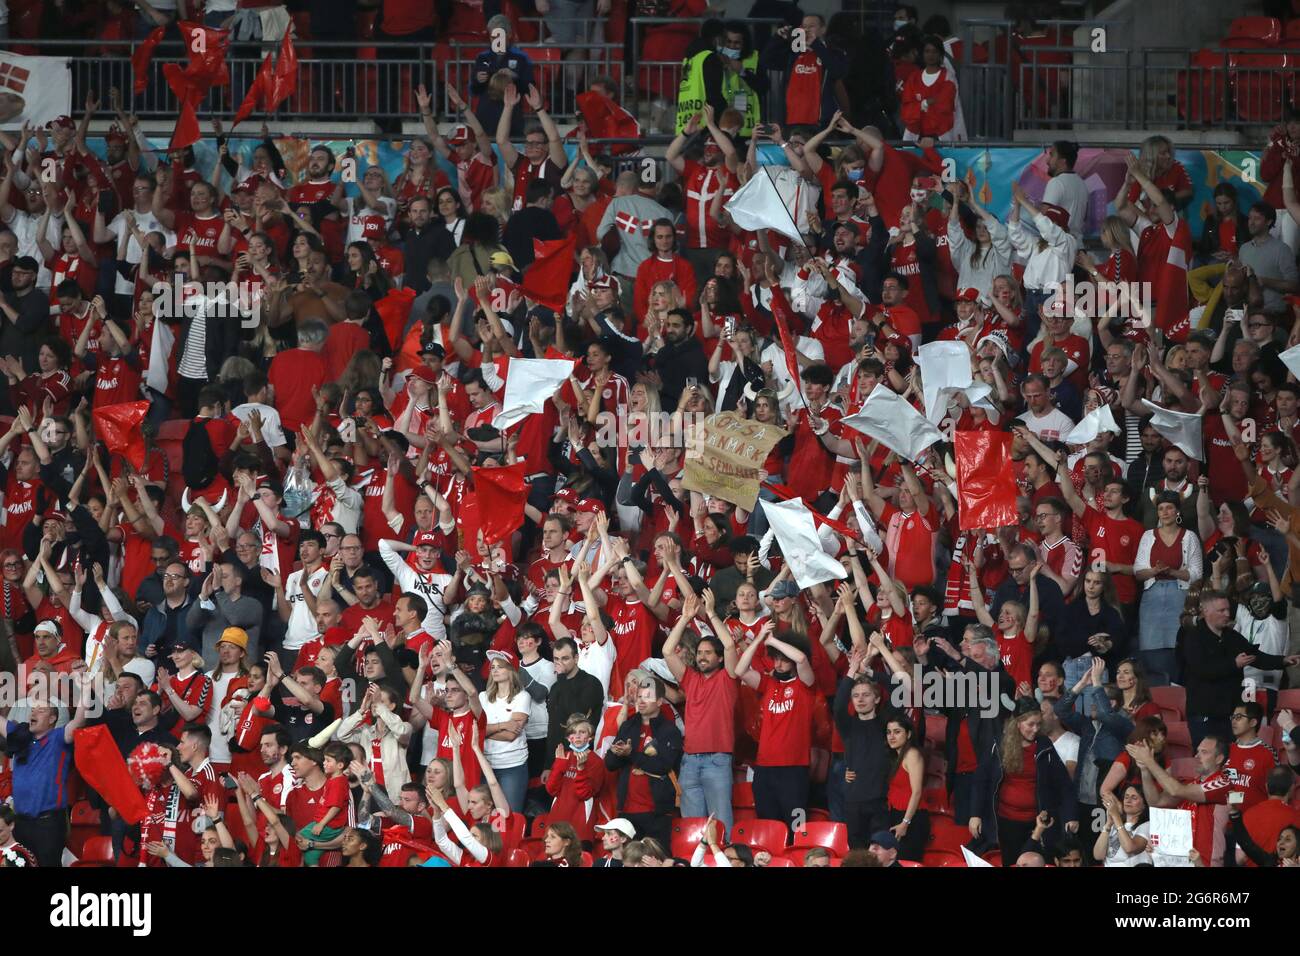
[199, 460]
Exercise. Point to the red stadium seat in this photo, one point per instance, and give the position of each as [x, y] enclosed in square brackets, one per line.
[947, 835]
[686, 834]
[1178, 742]
[942, 858]
[98, 851]
[514, 830]
[1289, 699]
[742, 794]
[538, 828]
[910, 863]
[818, 815]
[546, 70]
[1253, 31]
[935, 800]
[1291, 34]
[1172, 702]
[532, 847]
[768, 834]
[84, 826]
[517, 859]
[1262, 82]
[744, 813]
[832, 836]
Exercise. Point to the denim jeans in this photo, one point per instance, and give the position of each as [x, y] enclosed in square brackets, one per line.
[514, 784]
[706, 786]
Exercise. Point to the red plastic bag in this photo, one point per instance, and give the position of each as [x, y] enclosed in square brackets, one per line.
[986, 486]
[501, 493]
[118, 427]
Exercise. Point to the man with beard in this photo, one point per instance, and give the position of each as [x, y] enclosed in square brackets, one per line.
[663, 265]
[1175, 481]
[27, 310]
[1065, 188]
[706, 237]
[679, 358]
[786, 696]
[279, 780]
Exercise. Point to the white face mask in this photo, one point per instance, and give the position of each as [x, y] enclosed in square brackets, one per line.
[900, 24]
[919, 195]
[729, 53]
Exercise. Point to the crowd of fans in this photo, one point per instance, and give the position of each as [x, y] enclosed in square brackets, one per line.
[307, 653]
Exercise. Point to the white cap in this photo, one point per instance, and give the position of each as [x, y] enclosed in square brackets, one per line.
[142, 668]
[621, 825]
[47, 627]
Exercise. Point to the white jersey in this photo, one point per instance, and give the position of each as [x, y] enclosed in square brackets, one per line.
[302, 623]
[431, 585]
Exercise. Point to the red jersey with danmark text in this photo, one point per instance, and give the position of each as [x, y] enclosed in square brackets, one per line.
[701, 184]
[633, 634]
[787, 709]
[205, 229]
[1247, 767]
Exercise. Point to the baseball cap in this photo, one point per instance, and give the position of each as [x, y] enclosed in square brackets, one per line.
[502, 259]
[604, 282]
[142, 668]
[459, 136]
[64, 122]
[424, 373]
[244, 187]
[620, 825]
[785, 589]
[591, 506]
[884, 839]
[494, 655]
[235, 635]
[56, 515]
[425, 539]
[968, 295]
[567, 495]
[433, 348]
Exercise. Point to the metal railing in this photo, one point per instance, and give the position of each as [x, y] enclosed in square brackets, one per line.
[1075, 85]
[560, 72]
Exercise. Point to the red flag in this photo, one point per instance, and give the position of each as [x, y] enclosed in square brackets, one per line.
[101, 765]
[605, 119]
[206, 49]
[780, 312]
[257, 92]
[286, 74]
[986, 486]
[501, 493]
[187, 126]
[394, 309]
[503, 284]
[118, 427]
[547, 279]
[142, 57]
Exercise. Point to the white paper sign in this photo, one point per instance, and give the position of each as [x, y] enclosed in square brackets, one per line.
[890, 419]
[1171, 836]
[796, 530]
[529, 383]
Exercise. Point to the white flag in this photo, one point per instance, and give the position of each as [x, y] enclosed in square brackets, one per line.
[890, 419]
[33, 89]
[945, 369]
[796, 531]
[529, 383]
[870, 536]
[160, 351]
[758, 205]
[1091, 425]
[974, 861]
[1291, 359]
[1182, 429]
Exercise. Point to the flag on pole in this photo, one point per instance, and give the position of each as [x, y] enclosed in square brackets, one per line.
[891, 420]
[256, 92]
[100, 763]
[529, 384]
[782, 314]
[546, 280]
[758, 205]
[142, 57]
[795, 530]
[1182, 429]
[986, 485]
[285, 82]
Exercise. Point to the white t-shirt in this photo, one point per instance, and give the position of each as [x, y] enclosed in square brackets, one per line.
[272, 430]
[1069, 191]
[598, 661]
[1067, 747]
[1115, 855]
[129, 250]
[220, 750]
[24, 226]
[542, 671]
[302, 624]
[1053, 426]
[504, 754]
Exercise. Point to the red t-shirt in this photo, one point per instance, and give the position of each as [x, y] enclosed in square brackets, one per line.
[1118, 540]
[1216, 788]
[633, 634]
[344, 341]
[786, 737]
[710, 708]
[1018, 795]
[909, 539]
[1247, 768]
[292, 375]
[1017, 656]
[206, 231]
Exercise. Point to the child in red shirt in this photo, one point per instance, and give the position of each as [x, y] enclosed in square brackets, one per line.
[334, 804]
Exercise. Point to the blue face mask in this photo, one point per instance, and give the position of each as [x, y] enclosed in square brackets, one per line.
[579, 750]
[729, 53]
[899, 24]
[853, 174]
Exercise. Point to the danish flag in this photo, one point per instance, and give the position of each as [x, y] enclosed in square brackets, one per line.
[631, 224]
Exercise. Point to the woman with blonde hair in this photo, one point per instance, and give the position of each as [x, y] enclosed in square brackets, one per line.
[1018, 778]
[506, 706]
[495, 201]
[665, 296]
[1156, 159]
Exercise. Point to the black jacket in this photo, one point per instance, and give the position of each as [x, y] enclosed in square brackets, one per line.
[1055, 790]
[865, 750]
[668, 754]
[676, 362]
[580, 693]
[1210, 670]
